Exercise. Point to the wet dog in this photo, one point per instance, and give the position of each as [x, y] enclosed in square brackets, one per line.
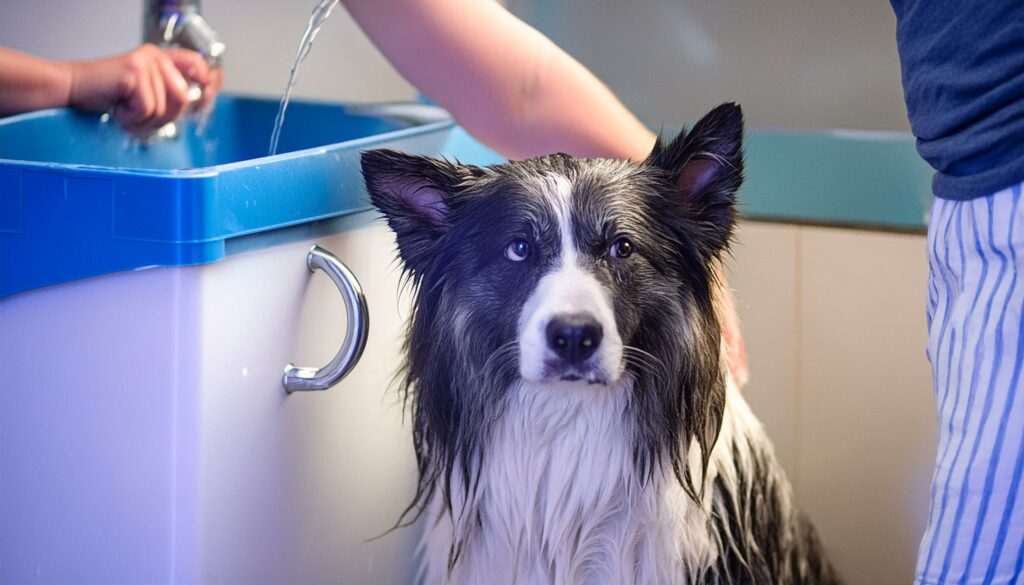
[572, 418]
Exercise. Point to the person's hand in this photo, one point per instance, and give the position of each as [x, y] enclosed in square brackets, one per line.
[145, 88]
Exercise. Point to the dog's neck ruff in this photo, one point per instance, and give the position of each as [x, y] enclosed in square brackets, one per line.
[559, 501]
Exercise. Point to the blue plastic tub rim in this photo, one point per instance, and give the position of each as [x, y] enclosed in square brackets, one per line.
[66, 221]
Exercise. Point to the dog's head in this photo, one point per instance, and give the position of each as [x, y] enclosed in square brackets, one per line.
[571, 274]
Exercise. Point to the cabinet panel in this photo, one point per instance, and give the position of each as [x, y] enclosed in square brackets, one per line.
[763, 274]
[867, 415]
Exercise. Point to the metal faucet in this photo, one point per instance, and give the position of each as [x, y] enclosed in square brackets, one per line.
[178, 23]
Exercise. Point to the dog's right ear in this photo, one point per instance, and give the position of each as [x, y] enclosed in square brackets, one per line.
[414, 193]
[706, 168]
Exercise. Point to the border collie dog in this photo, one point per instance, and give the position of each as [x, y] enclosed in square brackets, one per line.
[572, 416]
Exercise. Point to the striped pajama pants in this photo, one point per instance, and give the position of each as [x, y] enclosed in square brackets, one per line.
[975, 528]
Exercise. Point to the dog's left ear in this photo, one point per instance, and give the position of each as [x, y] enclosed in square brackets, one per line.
[415, 194]
[706, 169]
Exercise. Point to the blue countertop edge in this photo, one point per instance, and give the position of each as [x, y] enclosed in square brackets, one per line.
[871, 180]
[858, 179]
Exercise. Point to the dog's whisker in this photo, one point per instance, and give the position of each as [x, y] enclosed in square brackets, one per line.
[502, 357]
[632, 349]
[645, 362]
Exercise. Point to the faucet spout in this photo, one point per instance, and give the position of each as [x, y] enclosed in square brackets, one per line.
[178, 23]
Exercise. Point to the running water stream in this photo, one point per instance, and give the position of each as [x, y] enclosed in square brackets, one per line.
[320, 13]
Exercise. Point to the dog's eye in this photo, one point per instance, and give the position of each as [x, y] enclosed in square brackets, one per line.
[517, 250]
[621, 248]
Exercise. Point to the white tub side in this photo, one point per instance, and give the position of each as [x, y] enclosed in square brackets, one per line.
[97, 393]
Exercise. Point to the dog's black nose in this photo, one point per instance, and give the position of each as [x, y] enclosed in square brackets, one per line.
[575, 337]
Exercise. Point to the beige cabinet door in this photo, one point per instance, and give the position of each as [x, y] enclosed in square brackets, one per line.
[834, 321]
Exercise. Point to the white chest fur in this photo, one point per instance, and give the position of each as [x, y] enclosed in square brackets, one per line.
[559, 503]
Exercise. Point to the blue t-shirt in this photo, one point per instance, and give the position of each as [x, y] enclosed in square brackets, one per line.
[963, 81]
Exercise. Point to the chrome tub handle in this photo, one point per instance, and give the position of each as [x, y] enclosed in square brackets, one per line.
[358, 326]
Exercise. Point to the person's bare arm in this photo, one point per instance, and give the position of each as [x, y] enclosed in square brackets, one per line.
[30, 83]
[506, 83]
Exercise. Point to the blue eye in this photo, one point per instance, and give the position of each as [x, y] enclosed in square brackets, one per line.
[621, 248]
[517, 250]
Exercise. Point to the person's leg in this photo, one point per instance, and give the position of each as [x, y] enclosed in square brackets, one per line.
[975, 528]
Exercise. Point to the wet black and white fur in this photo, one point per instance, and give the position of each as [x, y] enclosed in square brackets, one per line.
[572, 417]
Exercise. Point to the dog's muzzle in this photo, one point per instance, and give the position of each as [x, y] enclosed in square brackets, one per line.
[567, 331]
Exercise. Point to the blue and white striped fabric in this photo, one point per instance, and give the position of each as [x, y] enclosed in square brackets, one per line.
[975, 528]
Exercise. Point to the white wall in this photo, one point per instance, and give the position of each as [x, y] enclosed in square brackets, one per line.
[262, 37]
[790, 63]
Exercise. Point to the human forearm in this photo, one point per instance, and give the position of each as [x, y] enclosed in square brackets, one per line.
[569, 110]
[30, 83]
[504, 81]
